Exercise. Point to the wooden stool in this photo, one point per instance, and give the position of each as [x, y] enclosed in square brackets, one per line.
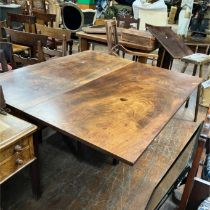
[198, 59]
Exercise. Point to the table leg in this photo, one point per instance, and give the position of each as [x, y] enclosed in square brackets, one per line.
[84, 45]
[1, 208]
[197, 103]
[34, 167]
[164, 59]
[115, 161]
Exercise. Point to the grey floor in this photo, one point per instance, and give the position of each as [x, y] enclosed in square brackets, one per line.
[61, 170]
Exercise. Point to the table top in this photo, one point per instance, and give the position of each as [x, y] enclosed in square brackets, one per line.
[114, 105]
[103, 39]
[174, 45]
[12, 129]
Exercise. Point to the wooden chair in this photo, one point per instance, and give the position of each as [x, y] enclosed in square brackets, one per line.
[127, 21]
[3, 24]
[27, 21]
[25, 9]
[6, 56]
[58, 34]
[45, 19]
[39, 6]
[34, 41]
[200, 145]
[114, 48]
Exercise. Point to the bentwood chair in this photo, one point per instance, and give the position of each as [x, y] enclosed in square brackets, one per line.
[114, 48]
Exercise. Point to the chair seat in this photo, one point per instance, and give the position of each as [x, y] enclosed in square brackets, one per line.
[197, 58]
[19, 48]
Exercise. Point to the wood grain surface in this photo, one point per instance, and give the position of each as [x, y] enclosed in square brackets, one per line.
[13, 129]
[174, 45]
[102, 38]
[34, 84]
[121, 112]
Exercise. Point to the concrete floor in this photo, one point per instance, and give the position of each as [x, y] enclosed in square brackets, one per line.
[67, 179]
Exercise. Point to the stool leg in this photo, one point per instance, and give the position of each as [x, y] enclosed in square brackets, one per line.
[201, 71]
[184, 67]
[195, 69]
[187, 103]
[197, 103]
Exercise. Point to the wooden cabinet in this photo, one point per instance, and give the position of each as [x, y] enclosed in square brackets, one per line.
[17, 149]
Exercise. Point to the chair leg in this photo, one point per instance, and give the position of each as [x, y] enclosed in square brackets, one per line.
[70, 43]
[201, 71]
[197, 103]
[184, 67]
[195, 70]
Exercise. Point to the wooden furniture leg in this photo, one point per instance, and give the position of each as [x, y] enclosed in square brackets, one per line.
[195, 164]
[197, 103]
[84, 44]
[1, 208]
[195, 69]
[184, 67]
[115, 161]
[34, 167]
[201, 71]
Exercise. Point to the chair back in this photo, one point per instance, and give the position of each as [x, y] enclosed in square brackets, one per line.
[44, 19]
[111, 33]
[127, 21]
[26, 39]
[89, 17]
[25, 10]
[39, 6]
[72, 16]
[27, 21]
[63, 35]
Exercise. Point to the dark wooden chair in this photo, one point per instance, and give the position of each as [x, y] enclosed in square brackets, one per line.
[44, 18]
[25, 9]
[6, 56]
[34, 41]
[39, 6]
[199, 149]
[27, 22]
[128, 21]
[54, 34]
[3, 24]
[114, 48]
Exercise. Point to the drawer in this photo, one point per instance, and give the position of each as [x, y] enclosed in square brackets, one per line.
[18, 146]
[14, 162]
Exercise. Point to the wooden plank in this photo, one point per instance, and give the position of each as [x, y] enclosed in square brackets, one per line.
[119, 113]
[174, 45]
[34, 84]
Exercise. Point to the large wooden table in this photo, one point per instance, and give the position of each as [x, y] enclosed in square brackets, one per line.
[111, 104]
[85, 39]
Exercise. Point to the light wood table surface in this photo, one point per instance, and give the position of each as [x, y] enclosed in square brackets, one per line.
[113, 105]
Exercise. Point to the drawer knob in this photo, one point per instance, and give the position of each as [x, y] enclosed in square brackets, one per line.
[19, 161]
[18, 148]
